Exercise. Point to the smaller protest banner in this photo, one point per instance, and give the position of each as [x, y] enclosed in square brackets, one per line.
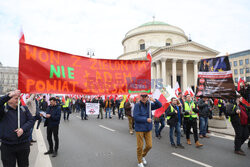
[92, 108]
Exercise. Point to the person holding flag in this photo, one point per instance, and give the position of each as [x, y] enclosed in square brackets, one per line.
[143, 125]
[14, 133]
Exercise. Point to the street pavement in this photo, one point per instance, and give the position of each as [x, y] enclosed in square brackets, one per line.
[107, 143]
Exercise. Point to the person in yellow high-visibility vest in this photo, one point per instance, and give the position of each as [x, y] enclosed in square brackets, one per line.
[121, 107]
[222, 108]
[174, 112]
[190, 118]
[66, 108]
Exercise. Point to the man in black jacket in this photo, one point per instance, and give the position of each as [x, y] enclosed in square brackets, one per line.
[83, 109]
[205, 110]
[241, 131]
[15, 141]
[53, 116]
[174, 113]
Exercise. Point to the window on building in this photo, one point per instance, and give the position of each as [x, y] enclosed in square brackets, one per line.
[247, 79]
[241, 71]
[236, 79]
[246, 61]
[230, 64]
[169, 42]
[241, 62]
[142, 44]
[235, 63]
[247, 70]
[235, 71]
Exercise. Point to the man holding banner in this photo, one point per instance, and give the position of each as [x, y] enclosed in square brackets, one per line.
[143, 126]
[15, 137]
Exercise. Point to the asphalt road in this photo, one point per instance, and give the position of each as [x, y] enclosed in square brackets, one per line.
[107, 143]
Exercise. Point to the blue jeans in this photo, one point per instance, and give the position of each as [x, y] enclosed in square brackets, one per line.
[121, 113]
[157, 123]
[31, 131]
[178, 129]
[107, 110]
[203, 125]
[83, 114]
[77, 108]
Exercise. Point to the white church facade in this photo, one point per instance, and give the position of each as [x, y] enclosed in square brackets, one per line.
[174, 57]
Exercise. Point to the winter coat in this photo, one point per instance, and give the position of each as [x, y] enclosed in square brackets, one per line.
[9, 123]
[141, 114]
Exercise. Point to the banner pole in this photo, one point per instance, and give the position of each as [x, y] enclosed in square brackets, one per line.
[18, 113]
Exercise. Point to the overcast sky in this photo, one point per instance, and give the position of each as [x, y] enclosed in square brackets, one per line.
[74, 26]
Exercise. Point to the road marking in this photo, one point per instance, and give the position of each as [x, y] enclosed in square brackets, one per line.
[112, 130]
[192, 160]
[41, 159]
[222, 136]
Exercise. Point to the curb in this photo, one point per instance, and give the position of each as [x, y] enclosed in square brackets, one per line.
[222, 133]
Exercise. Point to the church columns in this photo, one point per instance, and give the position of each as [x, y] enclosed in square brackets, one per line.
[158, 70]
[163, 71]
[174, 72]
[195, 73]
[184, 72]
[152, 70]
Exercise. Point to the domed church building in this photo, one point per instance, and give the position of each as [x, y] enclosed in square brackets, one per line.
[174, 56]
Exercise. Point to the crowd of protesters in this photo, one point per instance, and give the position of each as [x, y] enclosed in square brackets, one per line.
[185, 111]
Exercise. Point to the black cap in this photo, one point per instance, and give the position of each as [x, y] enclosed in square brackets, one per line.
[52, 98]
[144, 95]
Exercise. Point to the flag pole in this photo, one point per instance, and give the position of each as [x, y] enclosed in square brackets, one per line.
[150, 109]
[18, 113]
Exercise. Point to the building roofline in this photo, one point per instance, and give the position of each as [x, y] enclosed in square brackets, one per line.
[239, 54]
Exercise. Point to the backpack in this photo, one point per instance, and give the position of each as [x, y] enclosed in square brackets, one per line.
[243, 116]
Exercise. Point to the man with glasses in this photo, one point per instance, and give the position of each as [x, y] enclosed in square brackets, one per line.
[143, 125]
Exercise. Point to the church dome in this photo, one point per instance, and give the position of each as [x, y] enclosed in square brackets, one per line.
[154, 23]
[151, 35]
[155, 27]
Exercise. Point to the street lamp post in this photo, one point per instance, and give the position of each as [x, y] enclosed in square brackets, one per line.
[91, 53]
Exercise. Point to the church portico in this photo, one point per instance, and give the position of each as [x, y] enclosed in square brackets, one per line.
[175, 58]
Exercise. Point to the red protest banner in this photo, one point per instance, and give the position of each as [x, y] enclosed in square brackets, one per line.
[44, 70]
